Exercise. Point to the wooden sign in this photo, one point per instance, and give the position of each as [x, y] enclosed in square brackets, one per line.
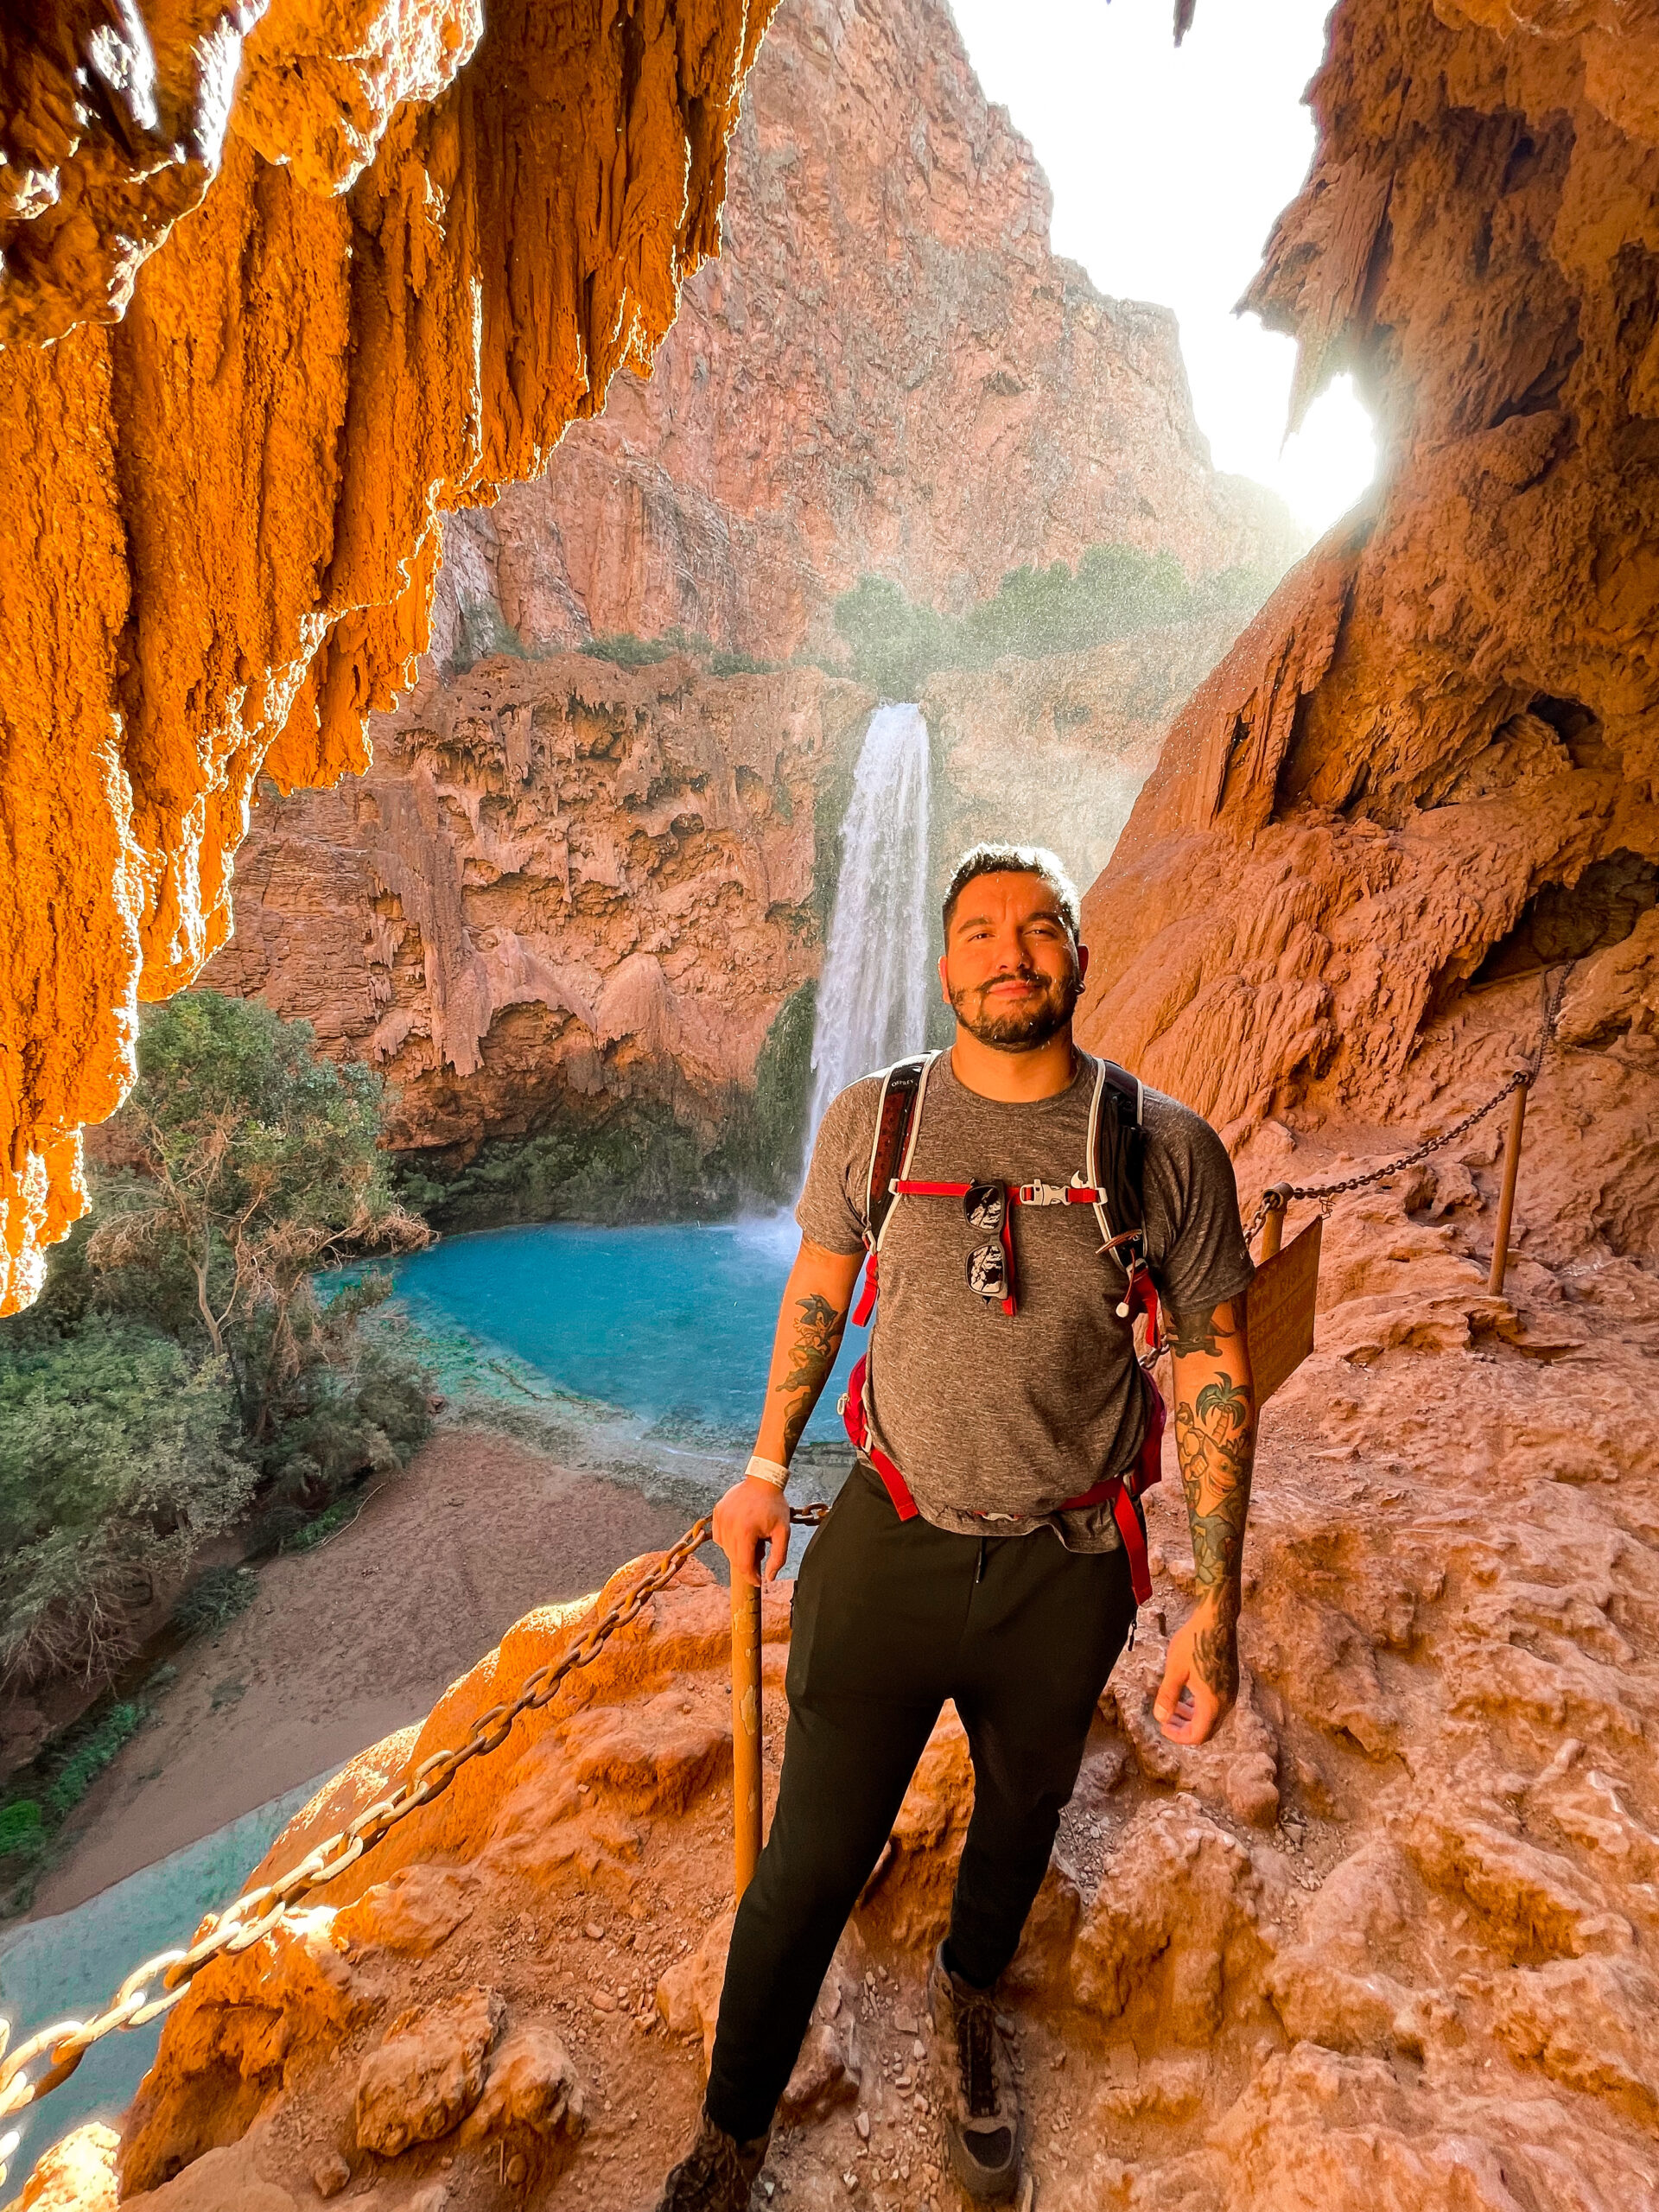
[1279, 1313]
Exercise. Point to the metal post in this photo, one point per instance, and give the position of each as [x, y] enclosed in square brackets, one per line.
[746, 1732]
[1506, 1200]
[1273, 1228]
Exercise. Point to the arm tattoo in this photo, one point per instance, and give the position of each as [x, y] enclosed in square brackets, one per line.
[1215, 1438]
[811, 1355]
[1190, 1333]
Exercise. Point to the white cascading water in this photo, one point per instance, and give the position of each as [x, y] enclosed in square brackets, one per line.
[873, 995]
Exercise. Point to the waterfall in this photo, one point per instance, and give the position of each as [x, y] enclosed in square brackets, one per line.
[873, 992]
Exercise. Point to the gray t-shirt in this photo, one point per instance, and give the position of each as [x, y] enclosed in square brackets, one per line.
[994, 1419]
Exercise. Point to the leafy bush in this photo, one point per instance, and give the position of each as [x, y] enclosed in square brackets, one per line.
[484, 630]
[117, 1459]
[729, 664]
[44, 1794]
[258, 1165]
[20, 1825]
[88, 1752]
[215, 1599]
[181, 1368]
[626, 650]
[896, 646]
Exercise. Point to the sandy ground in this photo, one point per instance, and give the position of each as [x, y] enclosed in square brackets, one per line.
[345, 1643]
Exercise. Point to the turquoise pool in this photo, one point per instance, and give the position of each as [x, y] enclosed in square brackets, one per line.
[672, 1325]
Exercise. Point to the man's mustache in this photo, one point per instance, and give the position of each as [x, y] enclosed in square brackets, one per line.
[1016, 975]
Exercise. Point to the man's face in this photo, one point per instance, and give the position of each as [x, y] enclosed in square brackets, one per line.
[1011, 972]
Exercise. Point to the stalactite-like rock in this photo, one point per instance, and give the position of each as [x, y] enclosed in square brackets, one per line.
[1433, 754]
[219, 522]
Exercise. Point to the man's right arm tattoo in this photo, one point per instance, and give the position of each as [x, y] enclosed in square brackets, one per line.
[819, 1328]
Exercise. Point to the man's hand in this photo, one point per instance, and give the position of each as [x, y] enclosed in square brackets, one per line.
[1215, 1441]
[752, 1516]
[1202, 1652]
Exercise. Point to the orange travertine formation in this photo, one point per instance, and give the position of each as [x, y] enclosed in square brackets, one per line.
[1433, 753]
[415, 255]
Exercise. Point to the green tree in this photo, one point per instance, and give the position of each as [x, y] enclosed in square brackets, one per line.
[117, 1459]
[896, 646]
[256, 1165]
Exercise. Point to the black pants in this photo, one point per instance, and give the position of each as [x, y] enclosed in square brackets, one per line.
[891, 1618]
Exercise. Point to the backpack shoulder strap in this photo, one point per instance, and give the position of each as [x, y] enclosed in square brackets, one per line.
[1117, 1142]
[897, 1121]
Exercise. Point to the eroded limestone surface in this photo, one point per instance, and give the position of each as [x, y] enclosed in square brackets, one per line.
[958, 403]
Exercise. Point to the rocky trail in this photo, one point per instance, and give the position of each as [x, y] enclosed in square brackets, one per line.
[1387, 1942]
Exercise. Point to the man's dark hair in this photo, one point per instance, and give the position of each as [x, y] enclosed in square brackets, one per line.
[1014, 859]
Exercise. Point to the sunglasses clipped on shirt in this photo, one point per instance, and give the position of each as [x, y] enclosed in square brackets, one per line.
[990, 1267]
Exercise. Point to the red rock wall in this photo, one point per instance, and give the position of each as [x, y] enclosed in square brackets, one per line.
[218, 527]
[886, 369]
[560, 882]
[1453, 704]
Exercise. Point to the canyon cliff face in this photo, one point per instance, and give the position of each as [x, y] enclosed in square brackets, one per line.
[409, 266]
[1431, 759]
[565, 888]
[887, 371]
[561, 884]
[943, 411]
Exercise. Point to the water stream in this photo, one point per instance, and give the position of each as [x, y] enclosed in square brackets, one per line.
[66, 1966]
[873, 995]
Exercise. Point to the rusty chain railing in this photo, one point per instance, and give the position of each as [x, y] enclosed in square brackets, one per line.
[257, 1912]
[1277, 1196]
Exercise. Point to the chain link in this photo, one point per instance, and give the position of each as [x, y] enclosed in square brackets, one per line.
[1280, 1195]
[257, 1912]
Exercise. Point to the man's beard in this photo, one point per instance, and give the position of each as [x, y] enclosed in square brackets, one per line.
[1032, 1026]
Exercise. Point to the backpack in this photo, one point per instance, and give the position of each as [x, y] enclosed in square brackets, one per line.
[1110, 1181]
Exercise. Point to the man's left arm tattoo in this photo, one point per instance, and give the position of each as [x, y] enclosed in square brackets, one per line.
[1215, 1440]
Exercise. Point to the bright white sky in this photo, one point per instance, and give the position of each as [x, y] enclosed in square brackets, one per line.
[1168, 169]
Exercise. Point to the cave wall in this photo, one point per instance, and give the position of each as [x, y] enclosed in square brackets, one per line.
[256, 341]
[1448, 714]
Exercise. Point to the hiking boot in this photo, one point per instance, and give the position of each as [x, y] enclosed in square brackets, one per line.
[975, 2081]
[717, 2174]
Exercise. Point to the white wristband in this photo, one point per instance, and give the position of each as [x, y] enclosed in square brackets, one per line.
[767, 1471]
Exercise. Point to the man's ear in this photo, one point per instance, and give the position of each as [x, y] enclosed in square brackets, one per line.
[1083, 961]
[944, 987]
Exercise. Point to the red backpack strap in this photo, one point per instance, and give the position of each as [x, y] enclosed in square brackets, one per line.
[856, 1424]
[897, 1121]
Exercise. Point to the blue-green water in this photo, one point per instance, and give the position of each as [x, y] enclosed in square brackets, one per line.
[67, 1967]
[673, 1324]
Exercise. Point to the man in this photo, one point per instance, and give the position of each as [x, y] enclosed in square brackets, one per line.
[999, 1395]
